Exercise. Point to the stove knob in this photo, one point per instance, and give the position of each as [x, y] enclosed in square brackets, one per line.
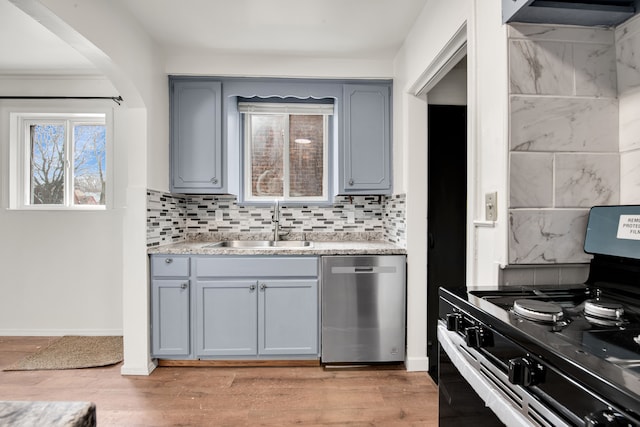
[525, 372]
[605, 419]
[478, 337]
[454, 321]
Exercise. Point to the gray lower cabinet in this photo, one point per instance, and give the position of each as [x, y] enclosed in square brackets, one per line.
[256, 317]
[234, 307]
[226, 318]
[288, 317]
[248, 307]
[170, 317]
[365, 161]
[170, 302]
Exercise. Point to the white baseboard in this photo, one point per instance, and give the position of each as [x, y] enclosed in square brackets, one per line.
[139, 370]
[59, 332]
[417, 364]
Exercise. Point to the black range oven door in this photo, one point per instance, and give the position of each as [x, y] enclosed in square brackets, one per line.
[458, 403]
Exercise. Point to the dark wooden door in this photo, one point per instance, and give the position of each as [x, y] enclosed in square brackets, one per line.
[447, 211]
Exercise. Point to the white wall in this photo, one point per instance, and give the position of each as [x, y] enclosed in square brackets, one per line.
[113, 41]
[452, 88]
[61, 270]
[225, 64]
[487, 95]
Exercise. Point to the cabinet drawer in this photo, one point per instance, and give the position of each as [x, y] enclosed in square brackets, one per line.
[256, 267]
[169, 266]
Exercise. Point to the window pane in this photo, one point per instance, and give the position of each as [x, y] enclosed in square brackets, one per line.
[89, 164]
[47, 164]
[306, 155]
[267, 147]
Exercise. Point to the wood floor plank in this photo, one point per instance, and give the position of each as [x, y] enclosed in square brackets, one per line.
[229, 396]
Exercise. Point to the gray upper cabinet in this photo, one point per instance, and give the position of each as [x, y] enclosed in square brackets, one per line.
[206, 145]
[365, 161]
[196, 136]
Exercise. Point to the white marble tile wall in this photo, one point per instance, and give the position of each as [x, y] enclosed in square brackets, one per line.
[564, 123]
[584, 180]
[547, 236]
[630, 178]
[628, 66]
[552, 124]
[531, 180]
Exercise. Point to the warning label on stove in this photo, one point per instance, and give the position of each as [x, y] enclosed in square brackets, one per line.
[629, 227]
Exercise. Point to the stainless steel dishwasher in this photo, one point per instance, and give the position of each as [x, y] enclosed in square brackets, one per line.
[363, 308]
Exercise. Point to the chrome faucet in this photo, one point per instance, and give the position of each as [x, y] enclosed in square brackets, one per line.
[275, 218]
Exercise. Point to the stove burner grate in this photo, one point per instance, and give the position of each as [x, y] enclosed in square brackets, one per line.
[539, 311]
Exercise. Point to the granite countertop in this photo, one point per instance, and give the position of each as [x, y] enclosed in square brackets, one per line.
[348, 244]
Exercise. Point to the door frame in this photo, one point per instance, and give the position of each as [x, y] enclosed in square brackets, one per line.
[453, 51]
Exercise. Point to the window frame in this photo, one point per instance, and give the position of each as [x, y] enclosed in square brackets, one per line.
[285, 109]
[20, 157]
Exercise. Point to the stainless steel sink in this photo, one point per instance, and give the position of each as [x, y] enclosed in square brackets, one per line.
[258, 244]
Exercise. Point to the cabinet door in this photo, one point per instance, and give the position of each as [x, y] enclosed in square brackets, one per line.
[226, 320]
[170, 318]
[196, 136]
[288, 317]
[366, 162]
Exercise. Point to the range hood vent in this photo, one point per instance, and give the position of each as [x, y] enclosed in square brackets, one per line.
[570, 12]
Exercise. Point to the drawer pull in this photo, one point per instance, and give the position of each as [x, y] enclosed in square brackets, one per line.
[184, 286]
[168, 260]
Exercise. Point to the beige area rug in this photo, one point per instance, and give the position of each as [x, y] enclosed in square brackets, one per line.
[73, 352]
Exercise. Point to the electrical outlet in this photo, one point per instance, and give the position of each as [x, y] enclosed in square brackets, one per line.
[491, 206]
[219, 215]
[351, 217]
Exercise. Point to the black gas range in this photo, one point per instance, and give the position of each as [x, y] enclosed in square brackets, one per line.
[549, 355]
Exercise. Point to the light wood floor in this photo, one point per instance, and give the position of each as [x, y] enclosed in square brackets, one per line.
[309, 396]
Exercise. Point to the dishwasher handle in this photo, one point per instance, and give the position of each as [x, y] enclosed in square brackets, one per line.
[363, 269]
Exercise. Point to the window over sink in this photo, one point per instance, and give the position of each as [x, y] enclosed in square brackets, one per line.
[286, 149]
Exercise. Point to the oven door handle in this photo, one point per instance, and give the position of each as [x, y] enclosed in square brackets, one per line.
[507, 412]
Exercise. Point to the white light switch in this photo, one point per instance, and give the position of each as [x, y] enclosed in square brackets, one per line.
[491, 206]
[219, 215]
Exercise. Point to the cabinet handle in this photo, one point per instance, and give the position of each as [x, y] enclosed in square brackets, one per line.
[263, 286]
[351, 181]
[252, 288]
[214, 180]
[168, 260]
[184, 286]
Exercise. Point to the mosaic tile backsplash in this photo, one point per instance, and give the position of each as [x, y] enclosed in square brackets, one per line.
[172, 218]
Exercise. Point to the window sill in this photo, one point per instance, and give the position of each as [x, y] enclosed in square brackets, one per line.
[59, 209]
